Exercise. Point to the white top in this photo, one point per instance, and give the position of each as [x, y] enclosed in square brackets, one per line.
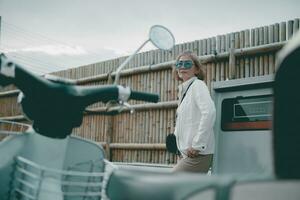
[195, 118]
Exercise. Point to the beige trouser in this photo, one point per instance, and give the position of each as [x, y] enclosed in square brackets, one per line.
[200, 164]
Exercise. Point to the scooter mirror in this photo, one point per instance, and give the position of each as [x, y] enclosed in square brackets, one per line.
[161, 37]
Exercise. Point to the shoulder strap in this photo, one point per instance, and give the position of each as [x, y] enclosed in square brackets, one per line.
[186, 91]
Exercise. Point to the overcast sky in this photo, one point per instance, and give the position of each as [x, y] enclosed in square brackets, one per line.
[55, 34]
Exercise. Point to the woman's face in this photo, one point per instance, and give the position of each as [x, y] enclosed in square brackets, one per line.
[185, 72]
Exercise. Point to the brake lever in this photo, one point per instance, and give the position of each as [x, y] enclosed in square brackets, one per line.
[119, 106]
[127, 105]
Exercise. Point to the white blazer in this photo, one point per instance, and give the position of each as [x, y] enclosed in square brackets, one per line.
[195, 118]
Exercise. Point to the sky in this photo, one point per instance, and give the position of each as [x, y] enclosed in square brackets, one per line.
[52, 35]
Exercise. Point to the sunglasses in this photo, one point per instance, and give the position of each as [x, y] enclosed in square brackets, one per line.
[186, 64]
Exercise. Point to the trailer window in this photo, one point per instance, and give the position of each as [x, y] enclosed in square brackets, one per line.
[247, 113]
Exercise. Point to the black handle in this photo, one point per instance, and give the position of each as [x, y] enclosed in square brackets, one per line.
[144, 96]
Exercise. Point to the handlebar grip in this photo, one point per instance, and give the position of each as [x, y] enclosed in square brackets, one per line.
[4, 81]
[144, 96]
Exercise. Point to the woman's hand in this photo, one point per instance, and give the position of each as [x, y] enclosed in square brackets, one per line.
[192, 153]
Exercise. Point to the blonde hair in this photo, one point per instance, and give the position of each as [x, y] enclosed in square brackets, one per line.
[200, 71]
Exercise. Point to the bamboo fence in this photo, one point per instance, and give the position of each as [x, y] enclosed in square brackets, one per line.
[140, 137]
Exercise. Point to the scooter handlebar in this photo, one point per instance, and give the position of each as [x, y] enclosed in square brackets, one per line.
[58, 101]
[33, 85]
[144, 96]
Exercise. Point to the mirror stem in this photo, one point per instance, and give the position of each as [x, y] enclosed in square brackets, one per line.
[126, 61]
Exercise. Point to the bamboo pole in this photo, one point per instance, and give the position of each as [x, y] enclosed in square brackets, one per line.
[208, 76]
[282, 29]
[223, 63]
[209, 46]
[109, 135]
[164, 127]
[261, 59]
[204, 46]
[247, 61]
[156, 125]
[214, 49]
[231, 58]
[200, 47]
[252, 59]
[14, 118]
[218, 45]
[261, 66]
[228, 42]
[136, 146]
[271, 56]
[265, 56]
[169, 74]
[295, 26]
[132, 122]
[161, 87]
[290, 26]
[241, 60]
[135, 135]
[142, 127]
[9, 93]
[256, 58]
[151, 124]
[225, 49]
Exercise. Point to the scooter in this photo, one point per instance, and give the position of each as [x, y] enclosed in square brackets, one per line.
[46, 162]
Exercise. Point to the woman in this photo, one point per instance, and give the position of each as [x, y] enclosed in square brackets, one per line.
[195, 116]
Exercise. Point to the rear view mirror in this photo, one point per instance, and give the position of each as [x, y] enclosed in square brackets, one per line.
[160, 36]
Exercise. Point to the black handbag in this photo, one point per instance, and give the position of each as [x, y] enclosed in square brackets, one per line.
[171, 144]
